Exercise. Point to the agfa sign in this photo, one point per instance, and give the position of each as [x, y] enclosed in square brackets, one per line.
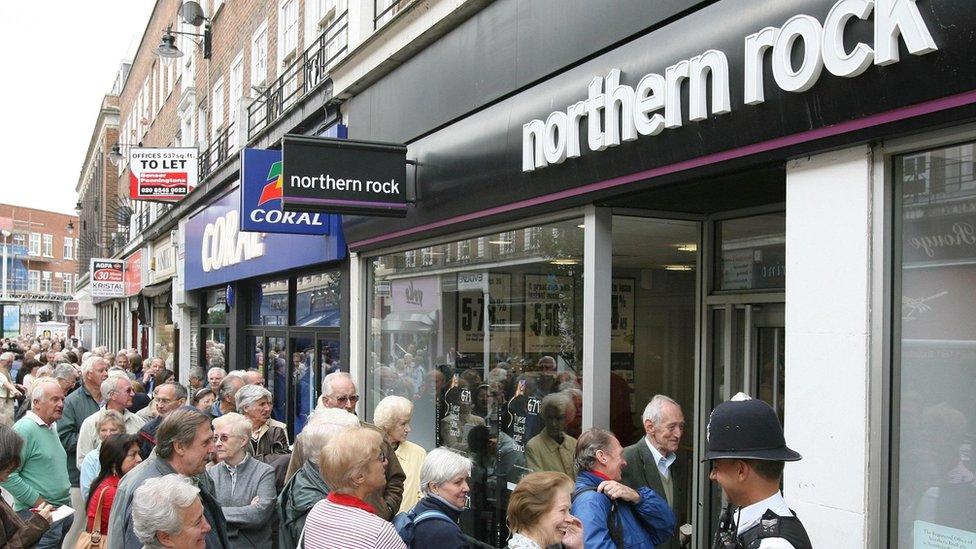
[107, 278]
[261, 192]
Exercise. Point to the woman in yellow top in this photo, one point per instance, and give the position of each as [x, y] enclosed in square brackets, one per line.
[393, 415]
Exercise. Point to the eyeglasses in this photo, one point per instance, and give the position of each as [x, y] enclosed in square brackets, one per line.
[224, 438]
[382, 457]
[352, 399]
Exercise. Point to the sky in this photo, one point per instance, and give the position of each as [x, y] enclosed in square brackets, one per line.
[61, 58]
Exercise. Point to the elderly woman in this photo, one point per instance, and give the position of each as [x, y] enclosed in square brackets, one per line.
[14, 532]
[244, 486]
[306, 487]
[109, 423]
[393, 415]
[444, 483]
[645, 518]
[538, 513]
[268, 438]
[166, 512]
[203, 399]
[354, 466]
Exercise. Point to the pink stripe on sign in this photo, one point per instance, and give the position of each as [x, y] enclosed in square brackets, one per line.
[894, 115]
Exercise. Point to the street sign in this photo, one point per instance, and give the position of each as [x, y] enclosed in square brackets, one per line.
[162, 174]
[71, 308]
[107, 278]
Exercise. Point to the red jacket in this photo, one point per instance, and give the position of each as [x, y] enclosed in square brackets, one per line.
[109, 486]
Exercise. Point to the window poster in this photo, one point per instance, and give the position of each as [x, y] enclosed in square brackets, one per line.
[548, 312]
[622, 316]
[471, 311]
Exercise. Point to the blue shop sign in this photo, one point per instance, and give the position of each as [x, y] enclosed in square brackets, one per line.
[261, 183]
[218, 252]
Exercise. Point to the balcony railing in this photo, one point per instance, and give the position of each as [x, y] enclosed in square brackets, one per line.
[218, 151]
[299, 77]
[386, 9]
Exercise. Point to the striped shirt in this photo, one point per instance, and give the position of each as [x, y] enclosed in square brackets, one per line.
[343, 522]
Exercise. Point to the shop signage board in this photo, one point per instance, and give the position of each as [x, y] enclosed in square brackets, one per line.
[71, 308]
[217, 251]
[416, 294]
[107, 278]
[164, 260]
[323, 174]
[133, 273]
[261, 198]
[162, 174]
[548, 312]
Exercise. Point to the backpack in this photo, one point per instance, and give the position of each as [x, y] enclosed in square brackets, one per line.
[613, 519]
[406, 522]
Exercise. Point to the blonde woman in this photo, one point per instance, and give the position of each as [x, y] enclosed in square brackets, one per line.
[393, 415]
[538, 513]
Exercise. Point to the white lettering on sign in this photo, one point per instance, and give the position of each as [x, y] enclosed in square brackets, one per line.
[616, 113]
[223, 244]
[326, 182]
[289, 218]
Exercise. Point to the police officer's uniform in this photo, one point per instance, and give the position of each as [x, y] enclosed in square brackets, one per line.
[745, 428]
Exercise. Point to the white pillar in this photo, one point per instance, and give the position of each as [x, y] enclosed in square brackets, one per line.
[597, 271]
[357, 327]
[828, 306]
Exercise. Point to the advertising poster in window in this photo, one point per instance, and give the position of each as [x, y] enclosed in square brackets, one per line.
[622, 324]
[548, 312]
[11, 320]
[471, 309]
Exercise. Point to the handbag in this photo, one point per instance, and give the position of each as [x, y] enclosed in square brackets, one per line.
[94, 539]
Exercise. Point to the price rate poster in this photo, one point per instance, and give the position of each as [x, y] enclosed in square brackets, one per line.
[548, 312]
[471, 322]
[622, 316]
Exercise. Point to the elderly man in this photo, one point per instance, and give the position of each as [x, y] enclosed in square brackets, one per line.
[644, 518]
[169, 397]
[214, 376]
[8, 393]
[651, 460]
[42, 476]
[306, 487]
[184, 444]
[118, 393]
[156, 365]
[78, 406]
[254, 377]
[553, 449]
[67, 376]
[196, 379]
[226, 396]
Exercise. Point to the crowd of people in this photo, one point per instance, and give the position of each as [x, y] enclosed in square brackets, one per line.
[144, 461]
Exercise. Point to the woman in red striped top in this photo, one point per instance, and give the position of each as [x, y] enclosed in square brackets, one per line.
[354, 466]
[118, 455]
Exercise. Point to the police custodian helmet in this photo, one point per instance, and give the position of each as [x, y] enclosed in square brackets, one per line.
[746, 428]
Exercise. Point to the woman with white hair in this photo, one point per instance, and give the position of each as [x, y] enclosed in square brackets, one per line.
[444, 483]
[268, 438]
[393, 415]
[353, 465]
[109, 423]
[244, 486]
[166, 512]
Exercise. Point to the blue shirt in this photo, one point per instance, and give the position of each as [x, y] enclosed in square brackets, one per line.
[644, 525]
[90, 468]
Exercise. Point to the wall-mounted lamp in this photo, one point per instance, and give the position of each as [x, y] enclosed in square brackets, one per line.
[167, 46]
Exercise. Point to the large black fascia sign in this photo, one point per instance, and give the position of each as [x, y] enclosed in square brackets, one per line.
[344, 177]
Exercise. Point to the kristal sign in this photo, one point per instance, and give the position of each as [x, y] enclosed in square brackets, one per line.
[342, 176]
[261, 192]
[162, 174]
[107, 278]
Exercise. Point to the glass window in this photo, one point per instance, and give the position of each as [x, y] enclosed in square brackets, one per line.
[752, 253]
[488, 347]
[34, 281]
[35, 244]
[215, 347]
[46, 281]
[269, 303]
[216, 307]
[936, 362]
[317, 299]
[68, 247]
[277, 362]
[259, 55]
[303, 379]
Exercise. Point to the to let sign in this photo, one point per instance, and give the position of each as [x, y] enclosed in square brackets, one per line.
[162, 174]
[342, 176]
[108, 278]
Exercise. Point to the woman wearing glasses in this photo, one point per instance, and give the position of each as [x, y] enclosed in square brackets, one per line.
[244, 486]
[353, 464]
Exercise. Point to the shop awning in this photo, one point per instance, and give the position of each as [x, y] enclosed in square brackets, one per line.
[410, 322]
[160, 288]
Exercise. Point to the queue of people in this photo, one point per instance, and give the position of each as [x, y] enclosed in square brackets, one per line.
[181, 472]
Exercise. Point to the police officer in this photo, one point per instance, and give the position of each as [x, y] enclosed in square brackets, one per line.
[748, 451]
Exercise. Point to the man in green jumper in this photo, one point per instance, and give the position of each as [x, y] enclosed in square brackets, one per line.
[43, 473]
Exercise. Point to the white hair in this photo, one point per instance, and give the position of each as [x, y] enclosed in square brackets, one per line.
[390, 410]
[156, 507]
[7, 357]
[654, 408]
[238, 424]
[321, 427]
[37, 388]
[440, 466]
[236, 373]
[89, 363]
[327, 390]
[217, 368]
[111, 385]
[249, 395]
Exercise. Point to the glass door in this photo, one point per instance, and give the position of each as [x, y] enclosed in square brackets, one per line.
[276, 373]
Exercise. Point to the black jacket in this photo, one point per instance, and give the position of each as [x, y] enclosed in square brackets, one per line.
[435, 532]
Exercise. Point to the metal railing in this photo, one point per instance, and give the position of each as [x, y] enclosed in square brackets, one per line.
[218, 151]
[386, 9]
[302, 75]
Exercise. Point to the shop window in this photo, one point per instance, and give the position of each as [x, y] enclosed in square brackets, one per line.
[752, 253]
[486, 351]
[269, 303]
[214, 329]
[935, 356]
[317, 299]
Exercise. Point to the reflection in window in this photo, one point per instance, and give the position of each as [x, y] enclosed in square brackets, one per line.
[317, 300]
[484, 336]
[753, 253]
[269, 303]
[936, 487]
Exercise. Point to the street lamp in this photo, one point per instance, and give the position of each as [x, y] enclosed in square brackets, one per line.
[167, 45]
[115, 155]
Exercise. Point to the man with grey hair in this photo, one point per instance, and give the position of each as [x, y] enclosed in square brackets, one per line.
[117, 392]
[306, 487]
[168, 509]
[652, 460]
[78, 406]
[169, 396]
[196, 378]
[226, 396]
[184, 444]
[214, 376]
[67, 376]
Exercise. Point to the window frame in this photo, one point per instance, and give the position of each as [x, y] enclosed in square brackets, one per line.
[257, 43]
[34, 244]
